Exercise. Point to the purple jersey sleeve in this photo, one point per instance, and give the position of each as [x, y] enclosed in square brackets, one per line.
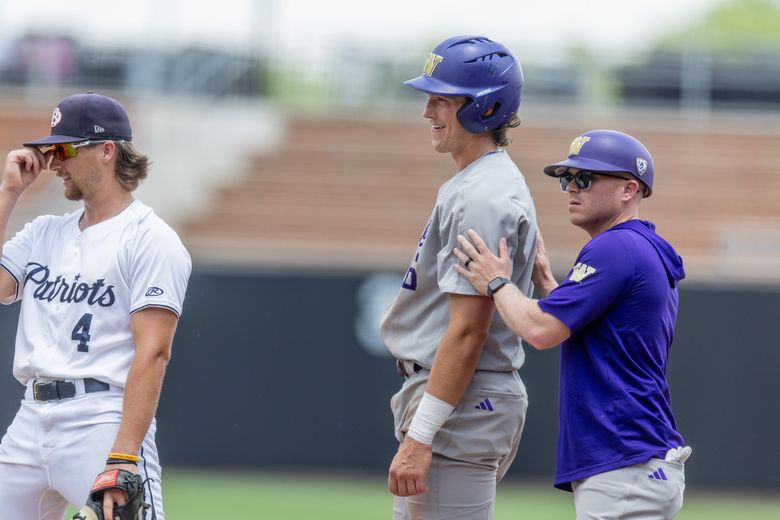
[601, 276]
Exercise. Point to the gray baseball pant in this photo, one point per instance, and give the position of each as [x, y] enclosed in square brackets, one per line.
[472, 451]
[649, 491]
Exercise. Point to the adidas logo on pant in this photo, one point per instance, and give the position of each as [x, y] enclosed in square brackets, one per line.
[658, 474]
[485, 405]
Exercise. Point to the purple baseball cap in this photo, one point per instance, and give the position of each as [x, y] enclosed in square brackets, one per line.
[84, 117]
[609, 151]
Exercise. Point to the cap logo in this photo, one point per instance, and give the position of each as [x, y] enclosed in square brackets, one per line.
[99, 129]
[577, 144]
[641, 166]
[430, 63]
[56, 117]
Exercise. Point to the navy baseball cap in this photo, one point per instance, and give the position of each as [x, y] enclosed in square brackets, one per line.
[84, 117]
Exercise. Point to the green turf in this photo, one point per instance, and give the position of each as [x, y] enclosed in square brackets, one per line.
[208, 495]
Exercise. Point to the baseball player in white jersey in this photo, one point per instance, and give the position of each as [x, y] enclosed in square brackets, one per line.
[460, 412]
[101, 292]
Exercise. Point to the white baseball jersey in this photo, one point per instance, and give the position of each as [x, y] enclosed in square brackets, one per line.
[79, 289]
[490, 196]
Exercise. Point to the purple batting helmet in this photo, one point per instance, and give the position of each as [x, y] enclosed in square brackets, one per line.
[480, 69]
[609, 151]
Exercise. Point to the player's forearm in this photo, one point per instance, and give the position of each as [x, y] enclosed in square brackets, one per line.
[7, 204]
[22, 167]
[7, 283]
[153, 329]
[525, 318]
[454, 364]
[142, 395]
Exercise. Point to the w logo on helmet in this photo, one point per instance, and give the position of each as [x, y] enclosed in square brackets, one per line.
[430, 63]
[577, 144]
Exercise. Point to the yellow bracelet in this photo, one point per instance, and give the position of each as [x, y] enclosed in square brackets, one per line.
[123, 456]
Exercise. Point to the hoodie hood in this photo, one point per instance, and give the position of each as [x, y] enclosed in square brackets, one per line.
[672, 262]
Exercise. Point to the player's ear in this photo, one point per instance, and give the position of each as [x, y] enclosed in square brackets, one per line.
[630, 190]
[107, 150]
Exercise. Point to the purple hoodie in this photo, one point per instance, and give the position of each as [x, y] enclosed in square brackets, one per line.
[620, 303]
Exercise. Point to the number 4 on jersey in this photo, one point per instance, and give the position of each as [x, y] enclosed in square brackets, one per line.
[81, 332]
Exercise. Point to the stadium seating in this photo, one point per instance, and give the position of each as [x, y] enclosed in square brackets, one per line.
[350, 193]
[356, 194]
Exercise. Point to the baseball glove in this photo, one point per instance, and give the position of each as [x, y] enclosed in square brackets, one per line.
[135, 507]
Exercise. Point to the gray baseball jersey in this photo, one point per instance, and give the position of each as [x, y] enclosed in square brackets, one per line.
[491, 196]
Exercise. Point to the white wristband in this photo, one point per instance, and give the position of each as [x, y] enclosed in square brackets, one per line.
[430, 415]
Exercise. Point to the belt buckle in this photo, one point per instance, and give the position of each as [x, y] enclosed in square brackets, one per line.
[36, 390]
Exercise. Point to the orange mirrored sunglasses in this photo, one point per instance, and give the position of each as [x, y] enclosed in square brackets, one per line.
[64, 151]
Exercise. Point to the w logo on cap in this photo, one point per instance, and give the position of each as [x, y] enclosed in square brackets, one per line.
[577, 144]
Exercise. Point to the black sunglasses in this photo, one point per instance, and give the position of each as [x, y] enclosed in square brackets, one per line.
[583, 178]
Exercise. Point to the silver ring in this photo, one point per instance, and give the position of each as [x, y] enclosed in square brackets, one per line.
[466, 264]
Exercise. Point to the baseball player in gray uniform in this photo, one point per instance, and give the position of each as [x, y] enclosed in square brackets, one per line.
[101, 292]
[460, 412]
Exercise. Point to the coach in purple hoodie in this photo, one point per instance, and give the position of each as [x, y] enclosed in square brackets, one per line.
[618, 447]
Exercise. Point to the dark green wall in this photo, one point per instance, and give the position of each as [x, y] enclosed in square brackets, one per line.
[268, 372]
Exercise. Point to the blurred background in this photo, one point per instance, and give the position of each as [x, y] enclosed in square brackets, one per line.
[298, 171]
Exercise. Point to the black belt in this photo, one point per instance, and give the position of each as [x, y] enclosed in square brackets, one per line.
[56, 390]
[403, 371]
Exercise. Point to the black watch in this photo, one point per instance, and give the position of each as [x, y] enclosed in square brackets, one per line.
[495, 284]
